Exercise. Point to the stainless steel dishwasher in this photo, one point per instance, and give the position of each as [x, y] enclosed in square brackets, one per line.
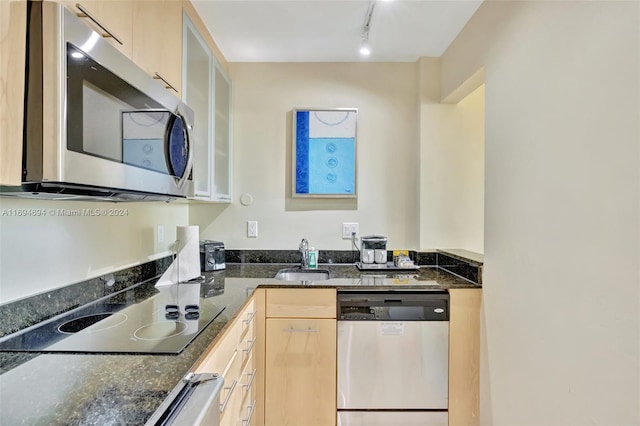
[393, 358]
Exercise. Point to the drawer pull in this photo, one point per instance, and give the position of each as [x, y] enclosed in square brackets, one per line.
[86, 14]
[249, 317]
[251, 343]
[226, 399]
[167, 85]
[247, 421]
[253, 376]
[300, 330]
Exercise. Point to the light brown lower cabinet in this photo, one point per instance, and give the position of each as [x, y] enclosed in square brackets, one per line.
[301, 372]
[464, 356]
[300, 357]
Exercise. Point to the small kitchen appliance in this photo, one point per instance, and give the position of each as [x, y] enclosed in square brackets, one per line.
[212, 255]
[374, 249]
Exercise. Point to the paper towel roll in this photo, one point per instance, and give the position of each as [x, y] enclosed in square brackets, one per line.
[186, 265]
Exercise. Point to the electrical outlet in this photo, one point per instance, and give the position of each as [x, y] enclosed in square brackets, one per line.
[160, 233]
[349, 228]
[252, 229]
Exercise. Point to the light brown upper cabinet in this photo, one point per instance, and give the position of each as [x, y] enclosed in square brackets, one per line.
[157, 41]
[13, 26]
[113, 19]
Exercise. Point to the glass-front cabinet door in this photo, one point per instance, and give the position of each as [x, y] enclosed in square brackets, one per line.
[207, 91]
[222, 157]
[197, 93]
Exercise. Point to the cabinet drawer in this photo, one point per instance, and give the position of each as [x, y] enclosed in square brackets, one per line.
[231, 395]
[238, 336]
[247, 345]
[247, 380]
[249, 395]
[220, 354]
[301, 303]
[248, 413]
[246, 318]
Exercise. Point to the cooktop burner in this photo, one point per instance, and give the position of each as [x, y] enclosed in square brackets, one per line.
[141, 319]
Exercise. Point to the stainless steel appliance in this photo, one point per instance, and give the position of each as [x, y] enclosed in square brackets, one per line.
[96, 125]
[140, 319]
[374, 249]
[193, 402]
[393, 358]
[212, 255]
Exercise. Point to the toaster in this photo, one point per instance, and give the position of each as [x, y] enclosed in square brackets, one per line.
[211, 255]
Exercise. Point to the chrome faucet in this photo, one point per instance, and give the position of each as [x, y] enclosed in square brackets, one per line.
[304, 251]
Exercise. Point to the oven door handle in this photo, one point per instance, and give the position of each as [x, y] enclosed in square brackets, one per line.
[197, 396]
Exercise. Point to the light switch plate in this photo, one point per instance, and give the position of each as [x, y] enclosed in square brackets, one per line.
[160, 233]
[252, 229]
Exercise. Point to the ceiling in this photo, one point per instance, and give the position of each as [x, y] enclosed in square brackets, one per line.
[331, 30]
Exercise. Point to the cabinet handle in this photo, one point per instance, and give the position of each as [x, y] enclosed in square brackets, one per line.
[300, 330]
[247, 421]
[167, 85]
[251, 343]
[250, 317]
[86, 14]
[226, 400]
[253, 376]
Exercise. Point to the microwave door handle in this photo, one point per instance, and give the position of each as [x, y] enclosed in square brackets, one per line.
[189, 140]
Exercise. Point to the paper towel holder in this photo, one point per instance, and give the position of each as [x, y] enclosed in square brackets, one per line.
[186, 262]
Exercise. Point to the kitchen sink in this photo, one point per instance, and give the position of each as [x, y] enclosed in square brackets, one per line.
[297, 274]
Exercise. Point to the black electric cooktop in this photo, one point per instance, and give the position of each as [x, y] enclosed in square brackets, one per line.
[141, 319]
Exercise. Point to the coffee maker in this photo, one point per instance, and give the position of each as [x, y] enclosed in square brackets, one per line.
[373, 249]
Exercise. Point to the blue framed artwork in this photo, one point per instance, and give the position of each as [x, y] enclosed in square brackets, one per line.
[324, 152]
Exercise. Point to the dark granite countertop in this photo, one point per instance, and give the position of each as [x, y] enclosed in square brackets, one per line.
[80, 389]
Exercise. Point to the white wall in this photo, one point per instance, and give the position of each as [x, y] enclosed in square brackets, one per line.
[451, 166]
[263, 96]
[40, 253]
[561, 317]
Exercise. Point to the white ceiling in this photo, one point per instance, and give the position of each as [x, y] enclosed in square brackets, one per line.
[330, 30]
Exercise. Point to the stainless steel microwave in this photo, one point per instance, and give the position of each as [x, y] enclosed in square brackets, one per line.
[96, 125]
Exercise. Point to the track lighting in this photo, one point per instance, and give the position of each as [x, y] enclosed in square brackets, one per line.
[365, 47]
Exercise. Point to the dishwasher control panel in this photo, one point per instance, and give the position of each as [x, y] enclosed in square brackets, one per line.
[393, 306]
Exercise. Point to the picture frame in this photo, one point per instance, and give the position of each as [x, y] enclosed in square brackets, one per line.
[324, 149]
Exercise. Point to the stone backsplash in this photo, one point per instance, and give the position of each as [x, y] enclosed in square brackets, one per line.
[325, 256]
[20, 314]
[23, 313]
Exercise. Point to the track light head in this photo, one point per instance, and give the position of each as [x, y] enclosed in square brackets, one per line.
[365, 47]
